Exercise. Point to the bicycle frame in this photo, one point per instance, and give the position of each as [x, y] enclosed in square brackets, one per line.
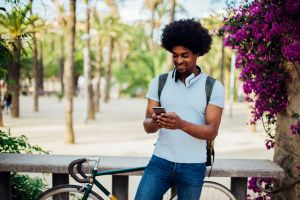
[95, 173]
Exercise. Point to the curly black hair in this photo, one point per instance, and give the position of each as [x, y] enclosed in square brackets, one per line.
[188, 33]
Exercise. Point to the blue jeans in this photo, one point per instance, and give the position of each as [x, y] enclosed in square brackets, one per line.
[161, 174]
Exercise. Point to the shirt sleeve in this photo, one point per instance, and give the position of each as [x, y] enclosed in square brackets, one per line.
[153, 90]
[218, 95]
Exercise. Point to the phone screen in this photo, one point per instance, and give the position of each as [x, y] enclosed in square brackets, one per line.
[159, 110]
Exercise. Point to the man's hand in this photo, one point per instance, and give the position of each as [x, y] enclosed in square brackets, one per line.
[155, 120]
[170, 120]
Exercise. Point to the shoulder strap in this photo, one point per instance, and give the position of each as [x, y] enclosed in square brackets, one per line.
[162, 79]
[209, 84]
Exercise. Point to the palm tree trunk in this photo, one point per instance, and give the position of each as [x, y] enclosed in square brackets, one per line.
[172, 12]
[172, 18]
[1, 115]
[98, 77]
[35, 67]
[40, 70]
[69, 73]
[287, 149]
[61, 63]
[108, 70]
[14, 76]
[91, 111]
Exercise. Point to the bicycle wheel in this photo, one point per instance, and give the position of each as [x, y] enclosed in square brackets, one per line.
[66, 192]
[213, 191]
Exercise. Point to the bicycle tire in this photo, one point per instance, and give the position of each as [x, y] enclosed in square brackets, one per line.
[66, 192]
[213, 191]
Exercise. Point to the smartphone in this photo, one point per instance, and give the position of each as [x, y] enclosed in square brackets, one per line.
[159, 110]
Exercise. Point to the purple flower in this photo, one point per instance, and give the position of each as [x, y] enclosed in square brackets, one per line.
[261, 48]
[241, 35]
[291, 51]
[251, 56]
[276, 29]
[295, 128]
[269, 17]
[270, 144]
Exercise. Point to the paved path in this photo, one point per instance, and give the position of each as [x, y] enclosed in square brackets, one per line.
[118, 130]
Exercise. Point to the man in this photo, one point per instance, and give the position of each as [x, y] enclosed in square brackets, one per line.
[180, 153]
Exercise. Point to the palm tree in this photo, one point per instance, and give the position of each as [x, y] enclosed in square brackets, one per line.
[15, 25]
[113, 31]
[100, 27]
[35, 67]
[152, 6]
[69, 72]
[59, 29]
[91, 110]
[3, 60]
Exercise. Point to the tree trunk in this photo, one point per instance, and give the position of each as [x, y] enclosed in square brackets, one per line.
[69, 73]
[172, 18]
[40, 70]
[98, 77]
[90, 110]
[14, 76]
[61, 63]
[287, 149]
[1, 110]
[108, 70]
[35, 68]
[172, 12]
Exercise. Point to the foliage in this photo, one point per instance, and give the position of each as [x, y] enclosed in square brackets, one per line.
[264, 42]
[140, 65]
[3, 58]
[265, 34]
[23, 186]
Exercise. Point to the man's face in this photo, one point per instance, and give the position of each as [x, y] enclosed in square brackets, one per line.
[184, 59]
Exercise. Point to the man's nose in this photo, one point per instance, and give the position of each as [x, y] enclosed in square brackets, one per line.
[179, 60]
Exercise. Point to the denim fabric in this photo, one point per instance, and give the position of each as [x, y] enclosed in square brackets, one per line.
[162, 174]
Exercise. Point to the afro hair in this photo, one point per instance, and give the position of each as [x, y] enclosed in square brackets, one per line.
[188, 33]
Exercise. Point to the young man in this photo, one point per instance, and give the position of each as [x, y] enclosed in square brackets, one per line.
[180, 153]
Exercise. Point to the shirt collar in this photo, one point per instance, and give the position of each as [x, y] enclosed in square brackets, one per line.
[189, 80]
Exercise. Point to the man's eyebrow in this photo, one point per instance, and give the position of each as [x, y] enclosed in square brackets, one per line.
[186, 52]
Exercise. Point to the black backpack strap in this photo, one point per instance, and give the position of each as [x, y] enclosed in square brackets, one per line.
[209, 84]
[162, 79]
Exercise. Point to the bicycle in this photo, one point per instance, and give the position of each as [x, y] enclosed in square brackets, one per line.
[214, 190]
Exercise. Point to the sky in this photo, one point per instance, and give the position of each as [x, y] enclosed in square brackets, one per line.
[132, 10]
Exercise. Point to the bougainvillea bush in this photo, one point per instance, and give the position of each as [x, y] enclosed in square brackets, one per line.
[266, 36]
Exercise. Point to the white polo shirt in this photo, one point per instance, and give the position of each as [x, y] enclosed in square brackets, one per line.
[188, 101]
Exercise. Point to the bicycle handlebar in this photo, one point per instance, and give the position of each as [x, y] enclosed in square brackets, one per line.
[78, 163]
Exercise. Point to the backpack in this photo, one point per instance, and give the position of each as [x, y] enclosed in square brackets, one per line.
[209, 84]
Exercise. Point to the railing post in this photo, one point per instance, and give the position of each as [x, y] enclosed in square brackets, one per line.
[5, 186]
[58, 179]
[120, 186]
[238, 187]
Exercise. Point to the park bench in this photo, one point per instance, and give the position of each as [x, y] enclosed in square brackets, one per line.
[237, 169]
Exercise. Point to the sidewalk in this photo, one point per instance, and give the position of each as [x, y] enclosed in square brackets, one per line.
[118, 130]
